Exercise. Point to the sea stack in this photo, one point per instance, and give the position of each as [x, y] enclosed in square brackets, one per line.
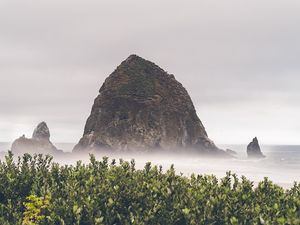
[39, 143]
[140, 107]
[253, 149]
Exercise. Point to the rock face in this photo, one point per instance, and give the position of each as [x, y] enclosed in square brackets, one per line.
[41, 132]
[39, 143]
[253, 149]
[142, 107]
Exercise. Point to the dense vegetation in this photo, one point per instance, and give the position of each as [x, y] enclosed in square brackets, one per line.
[33, 190]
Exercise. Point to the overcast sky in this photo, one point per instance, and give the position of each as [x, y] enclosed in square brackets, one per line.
[239, 60]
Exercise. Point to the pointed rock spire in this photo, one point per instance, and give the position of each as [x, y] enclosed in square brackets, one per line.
[39, 143]
[41, 132]
[253, 149]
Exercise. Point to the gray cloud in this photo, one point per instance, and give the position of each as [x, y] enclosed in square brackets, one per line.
[238, 60]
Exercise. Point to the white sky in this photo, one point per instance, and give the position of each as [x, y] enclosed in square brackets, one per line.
[239, 60]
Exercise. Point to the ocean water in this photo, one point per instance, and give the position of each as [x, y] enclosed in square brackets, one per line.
[281, 165]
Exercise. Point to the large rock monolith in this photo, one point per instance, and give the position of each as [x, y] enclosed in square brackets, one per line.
[142, 107]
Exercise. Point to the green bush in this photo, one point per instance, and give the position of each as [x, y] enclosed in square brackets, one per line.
[33, 190]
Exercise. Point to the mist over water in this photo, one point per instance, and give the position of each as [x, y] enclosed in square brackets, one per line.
[281, 165]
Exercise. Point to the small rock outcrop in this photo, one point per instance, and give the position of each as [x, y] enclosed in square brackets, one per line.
[253, 149]
[142, 107]
[39, 143]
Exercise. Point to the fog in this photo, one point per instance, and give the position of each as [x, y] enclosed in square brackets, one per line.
[281, 164]
[277, 170]
[237, 59]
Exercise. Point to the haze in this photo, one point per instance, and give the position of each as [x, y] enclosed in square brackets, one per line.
[282, 167]
[239, 60]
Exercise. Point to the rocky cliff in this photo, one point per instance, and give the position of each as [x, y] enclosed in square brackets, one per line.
[142, 107]
[39, 143]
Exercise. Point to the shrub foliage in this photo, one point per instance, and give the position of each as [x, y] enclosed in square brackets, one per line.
[34, 190]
